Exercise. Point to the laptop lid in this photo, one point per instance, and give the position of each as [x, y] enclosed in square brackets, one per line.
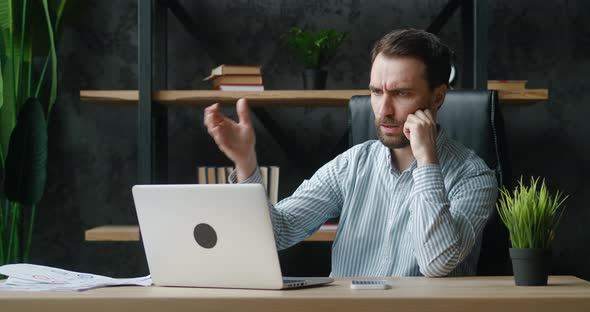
[208, 235]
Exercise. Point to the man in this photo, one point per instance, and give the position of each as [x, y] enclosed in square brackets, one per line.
[413, 203]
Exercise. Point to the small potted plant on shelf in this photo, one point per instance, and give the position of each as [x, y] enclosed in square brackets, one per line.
[314, 51]
[531, 215]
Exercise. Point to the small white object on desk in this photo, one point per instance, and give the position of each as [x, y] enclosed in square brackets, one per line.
[369, 284]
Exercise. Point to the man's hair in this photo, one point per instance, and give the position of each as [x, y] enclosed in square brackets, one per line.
[421, 45]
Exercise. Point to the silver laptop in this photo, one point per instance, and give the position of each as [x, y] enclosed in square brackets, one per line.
[211, 235]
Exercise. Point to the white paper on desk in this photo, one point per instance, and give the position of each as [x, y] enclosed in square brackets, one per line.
[30, 277]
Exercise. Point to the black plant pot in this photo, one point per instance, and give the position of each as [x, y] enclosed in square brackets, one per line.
[530, 266]
[314, 79]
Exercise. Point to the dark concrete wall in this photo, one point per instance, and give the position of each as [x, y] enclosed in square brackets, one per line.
[93, 148]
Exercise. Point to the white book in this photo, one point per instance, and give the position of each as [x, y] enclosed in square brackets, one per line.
[211, 173]
[329, 226]
[274, 184]
[221, 175]
[228, 87]
[264, 173]
[202, 175]
[228, 170]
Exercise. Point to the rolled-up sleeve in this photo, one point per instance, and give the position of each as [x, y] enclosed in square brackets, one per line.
[314, 202]
[446, 223]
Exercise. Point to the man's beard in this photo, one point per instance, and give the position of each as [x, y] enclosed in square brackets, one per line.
[392, 142]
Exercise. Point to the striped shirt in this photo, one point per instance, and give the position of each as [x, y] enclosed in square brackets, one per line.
[423, 221]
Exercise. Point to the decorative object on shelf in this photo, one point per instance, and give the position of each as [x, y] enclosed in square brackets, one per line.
[225, 69]
[220, 175]
[236, 78]
[512, 85]
[27, 31]
[314, 51]
[314, 79]
[531, 215]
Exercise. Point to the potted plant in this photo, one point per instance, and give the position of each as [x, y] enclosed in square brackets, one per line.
[314, 51]
[27, 94]
[531, 215]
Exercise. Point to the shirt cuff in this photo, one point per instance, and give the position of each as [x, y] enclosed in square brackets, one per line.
[255, 177]
[428, 178]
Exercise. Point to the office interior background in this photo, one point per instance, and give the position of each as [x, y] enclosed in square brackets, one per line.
[93, 154]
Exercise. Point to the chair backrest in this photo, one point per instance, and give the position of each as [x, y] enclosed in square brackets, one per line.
[474, 119]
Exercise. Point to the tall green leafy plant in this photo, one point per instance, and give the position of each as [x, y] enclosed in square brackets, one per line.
[530, 213]
[27, 95]
[314, 50]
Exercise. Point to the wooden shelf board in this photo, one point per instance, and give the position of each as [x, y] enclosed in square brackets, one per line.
[279, 98]
[526, 96]
[115, 233]
[322, 236]
[128, 233]
[208, 97]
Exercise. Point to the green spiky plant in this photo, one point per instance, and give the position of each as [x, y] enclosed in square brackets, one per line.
[27, 94]
[314, 50]
[530, 213]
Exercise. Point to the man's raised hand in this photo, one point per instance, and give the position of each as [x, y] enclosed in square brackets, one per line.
[235, 139]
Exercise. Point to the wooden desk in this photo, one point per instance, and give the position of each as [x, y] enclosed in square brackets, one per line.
[565, 293]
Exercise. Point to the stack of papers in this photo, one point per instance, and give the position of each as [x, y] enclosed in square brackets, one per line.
[30, 277]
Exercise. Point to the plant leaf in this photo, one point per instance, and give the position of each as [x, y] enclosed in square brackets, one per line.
[26, 162]
[1, 88]
[53, 92]
[530, 213]
[314, 50]
[6, 17]
[9, 108]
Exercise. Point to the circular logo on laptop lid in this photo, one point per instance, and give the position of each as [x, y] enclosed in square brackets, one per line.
[205, 235]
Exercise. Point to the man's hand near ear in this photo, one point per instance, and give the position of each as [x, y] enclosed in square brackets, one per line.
[420, 129]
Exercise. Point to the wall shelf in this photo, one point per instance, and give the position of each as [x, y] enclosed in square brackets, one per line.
[130, 233]
[272, 97]
[113, 233]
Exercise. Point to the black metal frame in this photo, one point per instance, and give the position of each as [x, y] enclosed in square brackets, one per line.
[152, 124]
[145, 159]
[474, 18]
[152, 120]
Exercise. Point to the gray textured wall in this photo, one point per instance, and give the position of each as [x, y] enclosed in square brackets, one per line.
[92, 148]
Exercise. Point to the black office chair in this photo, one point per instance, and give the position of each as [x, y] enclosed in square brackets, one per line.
[474, 119]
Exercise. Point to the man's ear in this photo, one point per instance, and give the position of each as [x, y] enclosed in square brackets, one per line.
[439, 96]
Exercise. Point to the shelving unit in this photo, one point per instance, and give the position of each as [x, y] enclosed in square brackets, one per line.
[152, 118]
[283, 98]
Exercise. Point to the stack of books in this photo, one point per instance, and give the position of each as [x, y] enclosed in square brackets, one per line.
[236, 78]
[220, 175]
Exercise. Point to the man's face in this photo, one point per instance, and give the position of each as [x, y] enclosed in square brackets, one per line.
[399, 88]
